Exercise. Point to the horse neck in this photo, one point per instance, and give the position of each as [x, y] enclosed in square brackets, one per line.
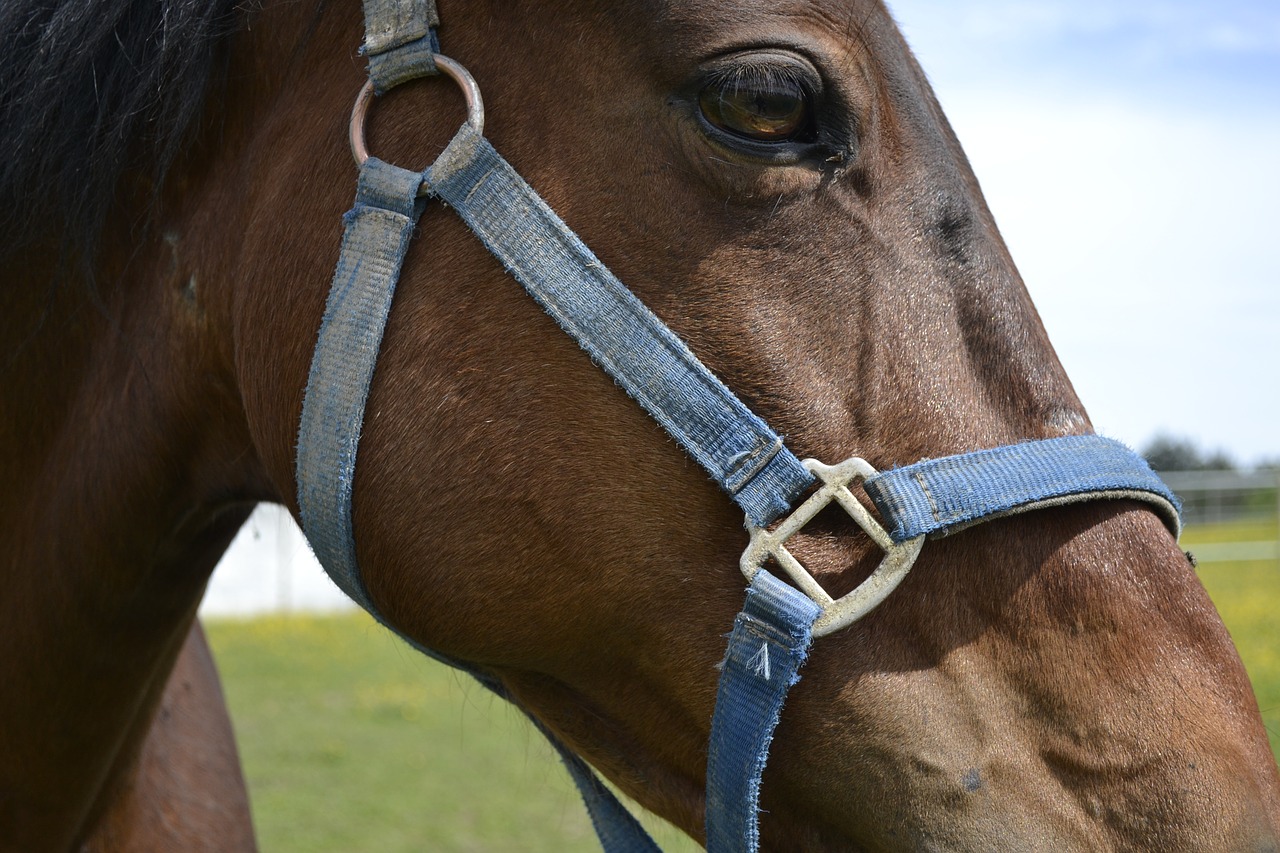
[128, 470]
[123, 383]
[126, 372]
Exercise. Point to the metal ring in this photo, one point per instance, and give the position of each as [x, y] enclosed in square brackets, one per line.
[460, 75]
[839, 612]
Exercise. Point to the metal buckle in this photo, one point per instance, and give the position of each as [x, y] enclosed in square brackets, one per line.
[459, 75]
[898, 560]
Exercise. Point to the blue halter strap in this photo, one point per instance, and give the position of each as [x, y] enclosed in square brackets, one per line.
[772, 635]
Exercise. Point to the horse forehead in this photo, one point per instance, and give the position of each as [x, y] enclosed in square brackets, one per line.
[853, 42]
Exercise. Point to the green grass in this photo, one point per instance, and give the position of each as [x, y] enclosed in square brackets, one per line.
[353, 742]
[1247, 595]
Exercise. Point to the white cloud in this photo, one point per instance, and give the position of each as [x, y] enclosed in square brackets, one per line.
[1231, 47]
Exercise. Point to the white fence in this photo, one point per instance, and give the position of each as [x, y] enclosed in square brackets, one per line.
[269, 568]
[1216, 497]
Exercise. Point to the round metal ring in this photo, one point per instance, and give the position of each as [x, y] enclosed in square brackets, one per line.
[460, 75]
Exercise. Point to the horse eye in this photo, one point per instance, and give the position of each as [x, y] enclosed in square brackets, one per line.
[765, 108]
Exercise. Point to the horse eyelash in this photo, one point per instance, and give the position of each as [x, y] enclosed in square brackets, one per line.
[758, 75]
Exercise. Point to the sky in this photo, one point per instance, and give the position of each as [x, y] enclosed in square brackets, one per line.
[1130, 152]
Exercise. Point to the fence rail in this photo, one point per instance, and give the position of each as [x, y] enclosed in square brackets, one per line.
[1229, 500]
[1216, 496]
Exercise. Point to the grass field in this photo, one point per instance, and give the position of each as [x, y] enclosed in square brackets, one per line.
[1247, 595]
[353, 742]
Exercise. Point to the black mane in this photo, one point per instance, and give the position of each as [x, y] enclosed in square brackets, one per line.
[91, 89]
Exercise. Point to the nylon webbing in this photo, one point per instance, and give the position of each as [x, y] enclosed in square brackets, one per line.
[616, 828]
[400, 41]
[941, 496]
[621, 334]
[389, 24]
[769, 643]
[377, 234]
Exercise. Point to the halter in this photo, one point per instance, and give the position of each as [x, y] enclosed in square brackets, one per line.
[772, 634]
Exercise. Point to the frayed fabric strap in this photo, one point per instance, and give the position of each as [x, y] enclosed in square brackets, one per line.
[389, 24]
[942, 496]
[616, 828]
[376, 237]
[400, 41]
[769, 643]
[620, 333]
[377, 234]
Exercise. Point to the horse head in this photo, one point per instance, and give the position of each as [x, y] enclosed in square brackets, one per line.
[777, 182]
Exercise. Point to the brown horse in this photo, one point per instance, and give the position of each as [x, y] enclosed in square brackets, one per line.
[173, 192]
[182, 789]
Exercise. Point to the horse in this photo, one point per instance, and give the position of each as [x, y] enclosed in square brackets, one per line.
[775, 181]
[182, 787]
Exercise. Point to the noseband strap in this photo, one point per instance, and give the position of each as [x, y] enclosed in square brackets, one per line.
[772, 635]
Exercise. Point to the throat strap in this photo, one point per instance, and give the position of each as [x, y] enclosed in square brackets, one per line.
[378, 229]
[400, 41]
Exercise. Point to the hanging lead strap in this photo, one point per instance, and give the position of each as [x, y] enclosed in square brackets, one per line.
[769, 643]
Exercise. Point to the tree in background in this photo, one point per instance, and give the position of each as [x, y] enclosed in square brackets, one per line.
[1229, 499]
[1170, 453]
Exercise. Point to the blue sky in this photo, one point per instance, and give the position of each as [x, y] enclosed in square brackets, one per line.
[1131, 154]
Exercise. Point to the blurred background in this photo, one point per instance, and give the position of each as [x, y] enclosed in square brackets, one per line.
[1128, 151]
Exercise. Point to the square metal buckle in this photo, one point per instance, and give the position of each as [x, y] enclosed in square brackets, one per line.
[898, 560]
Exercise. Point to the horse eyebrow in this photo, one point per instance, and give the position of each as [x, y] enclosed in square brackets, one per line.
[838, 17]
